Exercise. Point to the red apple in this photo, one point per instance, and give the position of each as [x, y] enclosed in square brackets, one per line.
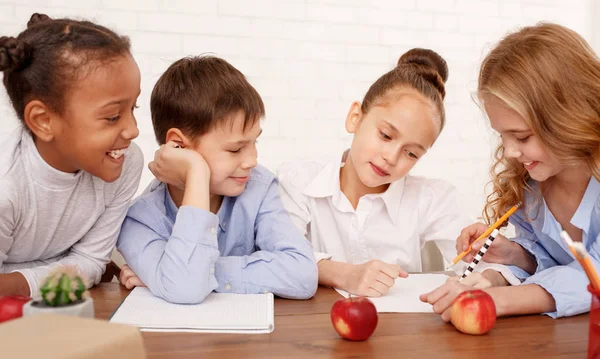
[473, 312]
[11, 307]
[354, 318]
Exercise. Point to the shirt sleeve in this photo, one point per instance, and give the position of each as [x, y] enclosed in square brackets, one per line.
[9, 195]
[442, 219]
[92, 252]
[296, 203]
[179, 268]
[567, 284]
[7, 223]
[526, 238]
[283, 263]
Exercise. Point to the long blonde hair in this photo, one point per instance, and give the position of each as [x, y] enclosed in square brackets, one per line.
[550, 76]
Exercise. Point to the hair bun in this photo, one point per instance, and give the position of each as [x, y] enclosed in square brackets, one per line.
[429, 64]
[37, 18]
[13, 53]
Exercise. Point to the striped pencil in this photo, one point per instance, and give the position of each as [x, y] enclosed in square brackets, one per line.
[479, 255]
[496, 224]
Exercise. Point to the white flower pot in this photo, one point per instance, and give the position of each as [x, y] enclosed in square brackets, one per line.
[84, 308]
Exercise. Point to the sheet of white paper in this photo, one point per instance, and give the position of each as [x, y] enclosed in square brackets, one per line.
[403, 297]
[218, 313]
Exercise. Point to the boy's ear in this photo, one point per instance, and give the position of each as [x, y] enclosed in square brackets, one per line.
[38, 118]
[175, 135]
[353, 118]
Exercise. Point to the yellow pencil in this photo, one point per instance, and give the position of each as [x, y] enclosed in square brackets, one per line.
[485, 234]
[583, 257]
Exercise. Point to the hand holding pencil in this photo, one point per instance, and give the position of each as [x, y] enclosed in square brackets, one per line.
[502, 246]
[472, 237]
[486, 247]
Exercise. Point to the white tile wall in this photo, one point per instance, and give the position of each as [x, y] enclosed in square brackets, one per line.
[310, 59]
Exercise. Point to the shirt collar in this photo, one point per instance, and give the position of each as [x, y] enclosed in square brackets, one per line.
[327, 184]
[392, 199]
[170, 205]
[582, 216]
[43, 172]
[223, 212]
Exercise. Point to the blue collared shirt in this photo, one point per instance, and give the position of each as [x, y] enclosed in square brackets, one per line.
[557, 270]
[249, 246]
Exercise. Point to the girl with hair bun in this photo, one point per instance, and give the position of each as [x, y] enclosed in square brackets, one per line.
[366, 217]
[68, 173]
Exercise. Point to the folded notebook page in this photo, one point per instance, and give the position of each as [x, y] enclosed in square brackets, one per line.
[219, 313]
[403, 297]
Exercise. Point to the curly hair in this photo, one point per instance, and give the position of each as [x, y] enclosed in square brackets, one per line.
[550, 76]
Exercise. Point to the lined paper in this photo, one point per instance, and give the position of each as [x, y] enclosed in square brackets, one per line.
[218, 313]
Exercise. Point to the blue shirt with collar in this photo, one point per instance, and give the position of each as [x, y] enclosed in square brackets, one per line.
[249, 246]
[558, 272]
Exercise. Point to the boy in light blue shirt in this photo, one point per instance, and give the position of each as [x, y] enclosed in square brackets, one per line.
[213, 219]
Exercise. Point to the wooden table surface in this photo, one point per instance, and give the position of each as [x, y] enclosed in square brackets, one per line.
[303, 329]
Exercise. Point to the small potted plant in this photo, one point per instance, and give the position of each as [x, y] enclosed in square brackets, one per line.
[63, 292]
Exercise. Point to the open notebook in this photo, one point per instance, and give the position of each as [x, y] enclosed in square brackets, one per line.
[219, 313]
[403, 297]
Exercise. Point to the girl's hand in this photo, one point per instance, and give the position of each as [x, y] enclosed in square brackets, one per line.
[476, 280]
[501, 251]
[442, 297]
[129, 279]
[174, 165]
[373, 278]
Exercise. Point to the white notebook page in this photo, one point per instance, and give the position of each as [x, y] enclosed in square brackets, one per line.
[218, 313]
[403, 297]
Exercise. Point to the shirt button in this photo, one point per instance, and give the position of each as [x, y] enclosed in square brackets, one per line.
[227, 287]
[213, 231]
[212, 270]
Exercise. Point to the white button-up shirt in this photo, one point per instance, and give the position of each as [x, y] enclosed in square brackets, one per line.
[391, 226]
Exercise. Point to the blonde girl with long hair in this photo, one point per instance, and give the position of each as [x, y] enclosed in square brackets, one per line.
[540, 89]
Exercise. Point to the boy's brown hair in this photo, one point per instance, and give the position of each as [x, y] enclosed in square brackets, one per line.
[197, 93]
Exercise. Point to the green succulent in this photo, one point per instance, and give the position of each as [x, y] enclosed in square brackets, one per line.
[63, 288]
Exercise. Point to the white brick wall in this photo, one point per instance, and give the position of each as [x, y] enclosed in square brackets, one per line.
[310, 59]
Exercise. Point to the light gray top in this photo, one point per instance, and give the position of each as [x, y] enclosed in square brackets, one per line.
[50, 218]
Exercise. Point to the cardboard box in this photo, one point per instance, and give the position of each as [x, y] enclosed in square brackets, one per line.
[52, 336]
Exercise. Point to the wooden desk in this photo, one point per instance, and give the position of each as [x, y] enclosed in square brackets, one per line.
[303, 329]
